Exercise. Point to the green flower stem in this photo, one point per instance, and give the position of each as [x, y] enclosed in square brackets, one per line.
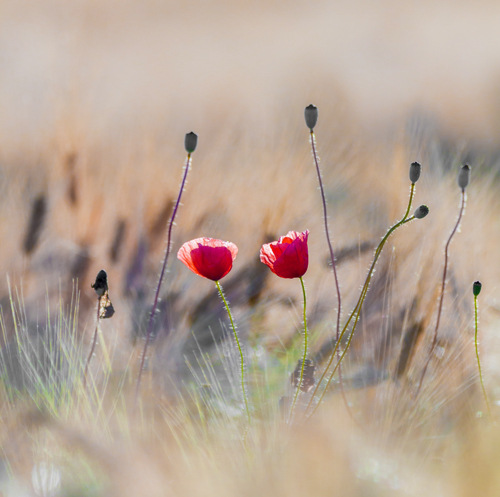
[357, 309]
[297, 392]
[478, 361]
[221, 293]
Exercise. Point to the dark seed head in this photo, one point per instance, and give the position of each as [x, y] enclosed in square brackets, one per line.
[311, 115]
[190, 142]
[415, 169]
[464, 177]
[101, 283]
[476, 288]
[421, 212]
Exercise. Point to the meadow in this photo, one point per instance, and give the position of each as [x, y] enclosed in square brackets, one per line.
[95, 106]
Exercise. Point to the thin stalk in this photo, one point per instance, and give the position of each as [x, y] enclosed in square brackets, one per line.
[297, 392]
[334, 266]
[242, 362]
[443, 285]
[357, 308]
[94, 341]
[478, 361]
[162, 274]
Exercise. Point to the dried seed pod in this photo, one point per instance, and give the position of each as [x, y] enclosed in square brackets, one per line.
[476, 288]
[311, 115]
[190, 142]
[100, 286]
[106, 309]
[421, 212]
[464, 177]
[101, 283]
[415, 169]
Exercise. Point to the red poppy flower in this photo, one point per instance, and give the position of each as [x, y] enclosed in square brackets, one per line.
[208, 257]
[288, 257]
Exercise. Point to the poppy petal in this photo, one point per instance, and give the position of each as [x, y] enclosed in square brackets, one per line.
[208, 257]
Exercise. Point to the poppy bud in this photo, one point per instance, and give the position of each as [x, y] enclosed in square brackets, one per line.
[476, 288]
[190, 142]
[311, 115]
[415, 169]
[421, 212]
[464, 177]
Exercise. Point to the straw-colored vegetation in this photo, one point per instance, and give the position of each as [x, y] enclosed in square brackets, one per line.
[88, 180]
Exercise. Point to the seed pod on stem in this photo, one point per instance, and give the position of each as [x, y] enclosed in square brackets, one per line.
[190, 142]
[421, 212]
[415, 169]
[311, 115]
[464, 177]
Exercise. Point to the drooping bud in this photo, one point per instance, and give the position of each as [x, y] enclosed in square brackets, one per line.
[190, 142]
[476, 288]
[415, 169]
[464, 177]
[421, 212]
[311, 115]
[101, 283]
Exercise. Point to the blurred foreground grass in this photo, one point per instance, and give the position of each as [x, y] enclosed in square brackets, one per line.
[90, 163]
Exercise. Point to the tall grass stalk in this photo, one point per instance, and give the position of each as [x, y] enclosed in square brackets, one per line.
[162, 274]
[357, 309]
[44, 361]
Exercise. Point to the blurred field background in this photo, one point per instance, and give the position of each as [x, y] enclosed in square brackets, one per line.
[95, 100]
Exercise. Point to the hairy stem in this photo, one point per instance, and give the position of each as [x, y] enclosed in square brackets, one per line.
[162, 274]
[334, 266]
[357, 309]
[242, 361]
[478, 361]
[297, 392]
[443, 285]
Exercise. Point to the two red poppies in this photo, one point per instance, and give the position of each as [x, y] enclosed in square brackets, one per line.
[213, 259]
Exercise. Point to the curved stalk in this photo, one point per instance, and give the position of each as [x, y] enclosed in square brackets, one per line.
[334, 266]
[299, 386]
[357, 309]
[162, 274]
[221, 293]
[443, 285]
